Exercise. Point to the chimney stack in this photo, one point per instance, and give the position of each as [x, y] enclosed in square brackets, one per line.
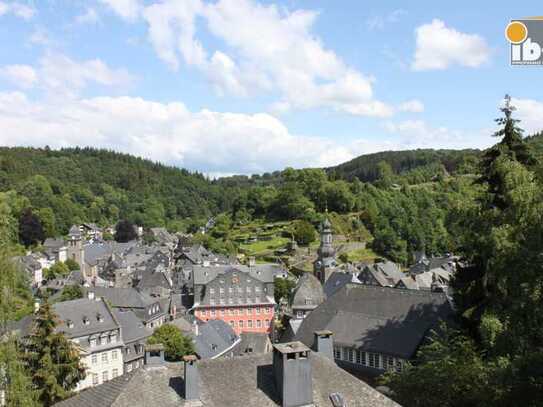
[192, 380]
[292, 372]
[324, 343]
[154, 355]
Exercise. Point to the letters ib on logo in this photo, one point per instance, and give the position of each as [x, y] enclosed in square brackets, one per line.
[526, 38]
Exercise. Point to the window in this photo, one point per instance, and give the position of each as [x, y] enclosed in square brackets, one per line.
[258, 323]
[114, 355]
[128, 351]
[212, 291]
[361, 358]
[249, 300]
[267, 323]
[266, 310]
[129, 367]
[94, 379]
[105, 376]
[222, 312]
[213, 313]
[232, 323]
[257, 289]
[350, 355]
[221, 301]
[388, 362]
[94, 359]
[114, 373]
[337, 352]
[92, 342]
[114, 338]
[212, 302]
[231, 312]
[258, 310]
[249, 311]
[221, 290]
[250, 323]
[230, 300]
[241, 324]
[249, 289]
[399, 365]
[374, 360]
[230, 290]
[104, 357]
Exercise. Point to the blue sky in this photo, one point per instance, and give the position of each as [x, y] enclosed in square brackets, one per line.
[247, 86]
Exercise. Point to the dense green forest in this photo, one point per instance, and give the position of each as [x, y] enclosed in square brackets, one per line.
[411, 203]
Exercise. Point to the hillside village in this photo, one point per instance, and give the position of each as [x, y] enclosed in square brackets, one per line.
[228, 308]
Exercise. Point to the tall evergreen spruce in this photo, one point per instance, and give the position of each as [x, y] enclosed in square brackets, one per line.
[52, 359]
[512, 145]
[19, 391]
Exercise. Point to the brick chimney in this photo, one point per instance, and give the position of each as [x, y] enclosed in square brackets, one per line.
[192, 380]
[324, 343]
[292, 372]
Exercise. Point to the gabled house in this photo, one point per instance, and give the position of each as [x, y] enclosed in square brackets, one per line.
[149, 310]
[383, 274]
[375, 328]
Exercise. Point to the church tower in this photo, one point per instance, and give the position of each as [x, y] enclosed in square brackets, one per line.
[75, 248]
[326, 263]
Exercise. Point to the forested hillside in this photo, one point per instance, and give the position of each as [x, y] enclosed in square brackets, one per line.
[75, 185]
[412, 203]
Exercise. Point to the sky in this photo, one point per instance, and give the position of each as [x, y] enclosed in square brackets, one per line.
[245, 86]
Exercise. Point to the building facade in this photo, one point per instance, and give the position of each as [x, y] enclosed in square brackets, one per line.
[241, 298]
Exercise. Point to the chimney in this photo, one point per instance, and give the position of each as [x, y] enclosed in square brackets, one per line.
[154, 355]
[90, 295]
[324, 343]
[192, 380]
[292, 372]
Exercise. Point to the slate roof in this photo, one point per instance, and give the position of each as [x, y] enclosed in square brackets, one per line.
[377, 319]
[214, 338]
[337, 280]
[408, 282]
[263, 272]
[76, 310]
[253, 343]
[309, 288]
[226, 382]
[53, 244]
[75, 231]
[132, 327]
[123, 297]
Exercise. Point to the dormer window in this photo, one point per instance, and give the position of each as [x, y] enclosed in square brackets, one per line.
[86, 320]
[99, 317]
[69, 323]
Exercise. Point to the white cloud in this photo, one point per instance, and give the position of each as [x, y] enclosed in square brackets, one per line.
[411, 134]
[439, 47]
[61, 75]
[126, 9]
[40, 36]
[90, 16]
[379, 22]
[530, 114]
[209, 141]
[23, 76]
[267, 50]
[412, 106]
[20, 10]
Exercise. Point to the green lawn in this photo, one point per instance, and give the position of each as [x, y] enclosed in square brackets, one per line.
[264, 247]
[366, 255]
